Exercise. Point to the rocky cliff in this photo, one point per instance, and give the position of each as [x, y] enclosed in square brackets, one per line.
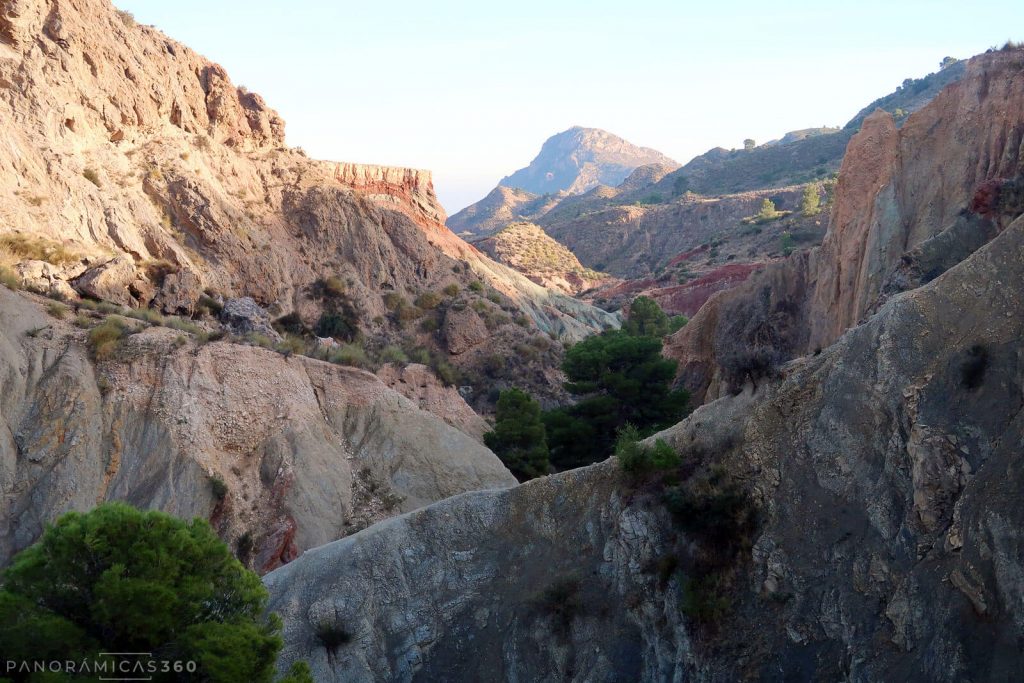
[578, 159]
[910, 203]
[117, 140]
[887, 543]
[281, 454]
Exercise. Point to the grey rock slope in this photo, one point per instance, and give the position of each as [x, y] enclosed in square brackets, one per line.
[308, 451]
[886, 472]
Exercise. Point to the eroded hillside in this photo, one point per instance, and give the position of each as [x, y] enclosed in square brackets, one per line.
[164, 183]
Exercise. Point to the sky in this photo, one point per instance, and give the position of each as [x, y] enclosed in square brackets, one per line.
[471, 89]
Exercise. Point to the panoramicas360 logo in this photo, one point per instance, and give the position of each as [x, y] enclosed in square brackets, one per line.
[107, 666]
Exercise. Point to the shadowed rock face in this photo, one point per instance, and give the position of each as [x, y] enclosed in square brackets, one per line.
[949, 177]
[889, 543]
[308, 451]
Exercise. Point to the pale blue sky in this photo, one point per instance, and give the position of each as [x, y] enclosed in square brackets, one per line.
[470, 90]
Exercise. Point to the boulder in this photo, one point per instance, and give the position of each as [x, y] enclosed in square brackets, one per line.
[179, 293]
[245, 316]
[48, 279]
[463, 330]
[110, 281]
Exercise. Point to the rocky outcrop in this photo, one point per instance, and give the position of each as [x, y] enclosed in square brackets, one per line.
[578, 159]
[888, 542]
[243, 316]
[307, 452]
[910, 203]
[417, 383]
[463, 329]
[897, 190]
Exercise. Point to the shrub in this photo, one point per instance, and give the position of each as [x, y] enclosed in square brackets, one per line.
[9, 279]
[428, 301]
[181, 325]
[444, 370]
[107, 308]
[218, 487]
[157, 270]
[400, 308]
[494, 297]
[18, 247]
[393, 354]
[476, 286]
[786, 243]
[972, 372]
[518, 438]
[127, 18]
[637, 459]
[703, 599]
[93, 177]
[291, 345]
[292, 324]
[331, 287]
[810, 204]
[261, 340]
[147, 315]
[104, 339]
[429, 325]
[337, 326]
[350, 354]
[420, 355]
[57, 310]
[451, 290]
[712, 507]
[208, 305]
[493, 365]
[244, 546]
[152, 583]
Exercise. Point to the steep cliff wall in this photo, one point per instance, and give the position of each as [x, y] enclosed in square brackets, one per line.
[308, 452]
[950, 176]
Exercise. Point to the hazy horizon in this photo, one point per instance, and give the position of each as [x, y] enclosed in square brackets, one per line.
[472, 92]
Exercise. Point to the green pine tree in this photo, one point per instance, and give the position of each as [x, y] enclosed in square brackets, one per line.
[519, 437]
[120, 580]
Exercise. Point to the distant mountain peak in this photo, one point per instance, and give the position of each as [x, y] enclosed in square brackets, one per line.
[579, 158]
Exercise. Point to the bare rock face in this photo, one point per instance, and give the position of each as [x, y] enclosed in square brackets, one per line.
[309, 452]
[418, 384]
[885, 473]
[910, 203]
[463, 330]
